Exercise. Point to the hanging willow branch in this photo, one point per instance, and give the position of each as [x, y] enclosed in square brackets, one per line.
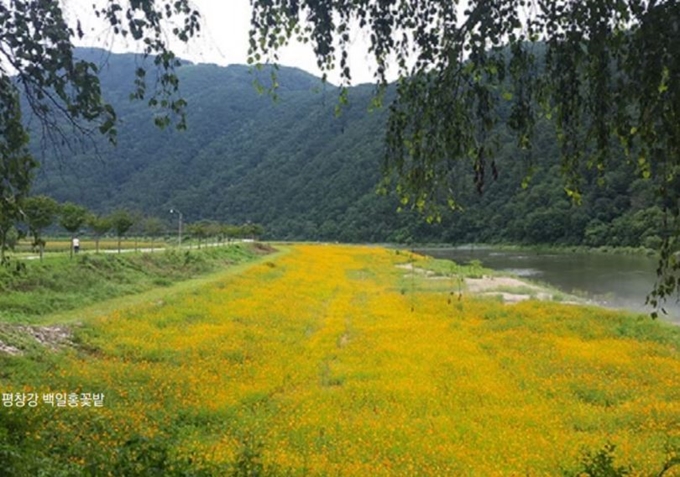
[607, 72]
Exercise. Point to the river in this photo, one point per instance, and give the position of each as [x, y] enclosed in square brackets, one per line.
[615, 281]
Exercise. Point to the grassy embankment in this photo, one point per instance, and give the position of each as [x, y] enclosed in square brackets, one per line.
[332, 360]
[31, 292]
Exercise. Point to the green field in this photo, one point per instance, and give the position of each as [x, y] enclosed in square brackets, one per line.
[335, 360]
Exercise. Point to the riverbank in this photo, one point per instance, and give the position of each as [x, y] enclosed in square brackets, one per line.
[335, 360]
[619, 281]
[475, 280]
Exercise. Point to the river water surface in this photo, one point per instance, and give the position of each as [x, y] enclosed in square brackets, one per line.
[616, 281]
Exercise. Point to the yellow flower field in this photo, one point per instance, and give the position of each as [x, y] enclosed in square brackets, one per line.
[327, 361]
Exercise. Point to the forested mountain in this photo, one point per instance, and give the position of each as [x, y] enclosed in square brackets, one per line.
[303, 172]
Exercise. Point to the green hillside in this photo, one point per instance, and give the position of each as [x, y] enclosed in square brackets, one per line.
[303, 172]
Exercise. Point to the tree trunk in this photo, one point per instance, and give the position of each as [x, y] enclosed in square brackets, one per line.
[3, 241]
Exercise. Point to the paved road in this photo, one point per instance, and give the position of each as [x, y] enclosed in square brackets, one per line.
[127, 250]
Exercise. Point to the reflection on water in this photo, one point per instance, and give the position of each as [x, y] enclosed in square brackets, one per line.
[616, 281]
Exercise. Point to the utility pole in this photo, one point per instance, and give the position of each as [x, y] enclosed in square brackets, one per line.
[179, 234]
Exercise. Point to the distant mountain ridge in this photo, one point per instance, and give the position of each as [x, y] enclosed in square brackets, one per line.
[305, 173]
[245, 156]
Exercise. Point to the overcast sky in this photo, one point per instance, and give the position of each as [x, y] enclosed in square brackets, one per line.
[224, 39]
